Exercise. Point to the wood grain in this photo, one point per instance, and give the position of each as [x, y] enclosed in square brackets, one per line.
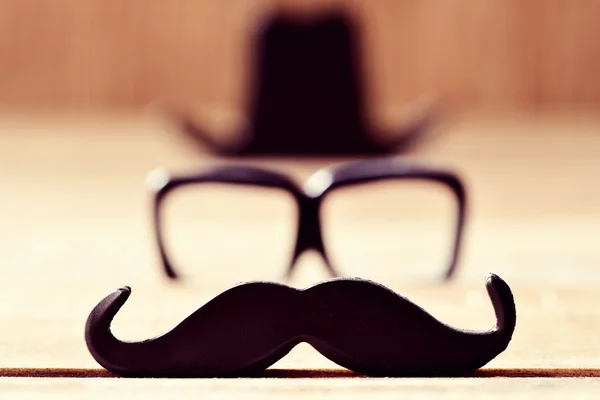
[107, 54]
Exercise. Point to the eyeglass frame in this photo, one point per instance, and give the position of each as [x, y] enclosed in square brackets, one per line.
[309, 198]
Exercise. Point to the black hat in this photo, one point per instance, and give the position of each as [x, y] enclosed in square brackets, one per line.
[307, 94]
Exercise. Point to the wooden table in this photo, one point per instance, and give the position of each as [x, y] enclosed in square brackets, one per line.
[75, 225]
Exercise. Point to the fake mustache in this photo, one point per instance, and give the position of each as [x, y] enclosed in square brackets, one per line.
[358, 324]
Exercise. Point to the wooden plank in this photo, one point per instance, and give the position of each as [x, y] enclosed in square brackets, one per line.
[75, 215]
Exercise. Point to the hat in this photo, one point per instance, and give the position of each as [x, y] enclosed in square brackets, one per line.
[307, 96]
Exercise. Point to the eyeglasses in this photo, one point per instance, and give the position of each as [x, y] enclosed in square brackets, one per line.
[346, 213]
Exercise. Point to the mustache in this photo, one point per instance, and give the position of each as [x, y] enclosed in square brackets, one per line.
[358, 324]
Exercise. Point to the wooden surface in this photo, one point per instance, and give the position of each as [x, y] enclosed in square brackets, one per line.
[98, 53]
[75, 225]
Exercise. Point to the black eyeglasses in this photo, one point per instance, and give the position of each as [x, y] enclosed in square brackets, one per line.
[242, 196]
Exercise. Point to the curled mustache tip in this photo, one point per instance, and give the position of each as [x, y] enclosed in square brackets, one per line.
[118, 297]
[112, 303]
[97, 327]
[504, 304]
[102, 315]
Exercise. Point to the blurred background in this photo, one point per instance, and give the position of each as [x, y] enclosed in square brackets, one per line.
[93, 54]
[517, 84]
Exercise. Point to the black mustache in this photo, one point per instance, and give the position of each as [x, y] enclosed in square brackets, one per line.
[358, 324]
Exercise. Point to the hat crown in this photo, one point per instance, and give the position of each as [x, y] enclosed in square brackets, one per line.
[308, 81]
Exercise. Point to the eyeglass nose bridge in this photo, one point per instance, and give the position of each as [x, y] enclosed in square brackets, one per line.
[309, 236]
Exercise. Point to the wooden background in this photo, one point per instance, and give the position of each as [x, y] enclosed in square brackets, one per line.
[95, 54]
